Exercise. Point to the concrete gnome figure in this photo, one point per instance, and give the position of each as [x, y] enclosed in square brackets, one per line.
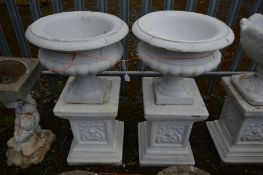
[29, 143]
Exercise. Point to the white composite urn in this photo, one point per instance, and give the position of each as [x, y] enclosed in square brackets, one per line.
[79, 44]
[82, 44]
[251, 85]
[180, 44]
[182, 31]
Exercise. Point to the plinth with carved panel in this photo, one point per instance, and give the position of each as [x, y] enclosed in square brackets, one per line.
[98, 137]
[164, 137]
[238, 134]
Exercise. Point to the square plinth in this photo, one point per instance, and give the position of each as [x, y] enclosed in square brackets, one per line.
[109, 107]
[194, 112]
[164, 138]
[164, 147]
[93, 145]
[238, 134]
[98, 137]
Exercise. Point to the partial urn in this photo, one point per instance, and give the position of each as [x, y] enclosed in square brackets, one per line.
[30, 143]
[251, 85]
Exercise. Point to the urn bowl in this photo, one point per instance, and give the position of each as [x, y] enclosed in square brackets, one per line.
[76, 31]
[183, 31]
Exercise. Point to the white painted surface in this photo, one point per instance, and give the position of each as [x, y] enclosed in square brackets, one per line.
[183, 31]
[161, 155]
[98, 137]
[84, 63]
[81, 44]
[85, 88]
[109, 107]
[238, 134]
[164, 137]
[183, 64]
[174, 65]
[195, 112]
[251, 85]
[76, 31]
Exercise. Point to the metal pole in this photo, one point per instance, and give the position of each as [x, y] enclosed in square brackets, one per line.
[56, 6]
[102, 6]
[191, 5]
[146, 6]
[3, 44]
[79, 5]
[212, 9]
[35, 9]
[155, 74]
[168, 4]
[18, 27]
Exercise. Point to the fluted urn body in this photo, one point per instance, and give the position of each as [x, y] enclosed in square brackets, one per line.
[79, 44]
[180, 44]
[251, 85]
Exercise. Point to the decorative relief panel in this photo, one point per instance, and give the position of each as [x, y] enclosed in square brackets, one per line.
[252, 132]
[95, 132]
[167, 134]
[231, 117]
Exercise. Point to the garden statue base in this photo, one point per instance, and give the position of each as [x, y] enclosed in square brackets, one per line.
[33, 151]
[30, 143]
[238, 134]
[250, 85]
[164, 137]
[183, 169]
[98, 137]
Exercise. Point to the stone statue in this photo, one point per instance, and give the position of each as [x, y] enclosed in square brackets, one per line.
[251, 85]
[29, 143]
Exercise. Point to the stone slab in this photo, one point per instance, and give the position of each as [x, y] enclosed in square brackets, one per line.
[81, 154]
[196, 112]
[150, 156]
[109, 107]
[19, 89]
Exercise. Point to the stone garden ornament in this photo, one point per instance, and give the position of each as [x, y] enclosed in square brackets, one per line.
[251, 85]
[179, 45]
[238, 134]
[30, 143]
[79, 44]
[182, 170]
[82, 44]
